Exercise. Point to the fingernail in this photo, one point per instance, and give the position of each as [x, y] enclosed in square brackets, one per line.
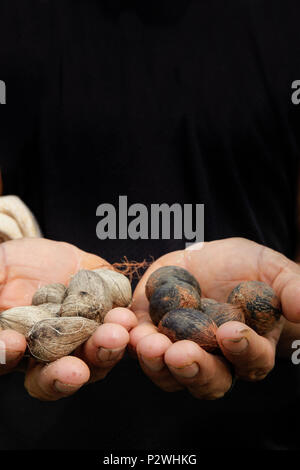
[66, 388]
[154, 363]
[105, 355]
[195, 246]
[236, 345]
[188, 372]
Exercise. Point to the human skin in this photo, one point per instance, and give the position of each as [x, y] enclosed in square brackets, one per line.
[27, 264]
[219, 266]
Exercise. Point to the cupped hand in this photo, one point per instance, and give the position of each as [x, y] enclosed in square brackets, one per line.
[219, 266]
[27, 264]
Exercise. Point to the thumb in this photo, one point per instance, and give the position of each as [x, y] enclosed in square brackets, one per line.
[283, 275]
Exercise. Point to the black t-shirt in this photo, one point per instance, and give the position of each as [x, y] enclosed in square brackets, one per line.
[162, 101]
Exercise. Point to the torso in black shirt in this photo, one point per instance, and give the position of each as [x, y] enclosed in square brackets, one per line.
[185, 102]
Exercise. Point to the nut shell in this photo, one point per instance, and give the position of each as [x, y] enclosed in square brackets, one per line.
[87, 296]
[205, 302]
[54, 338]
[118, 285]
[191, 325]
[88, 281]
[22, 319]
[51, 293]
[170, 274]
[222, 313]
[52, 309]
[172, 296]
[259, 303]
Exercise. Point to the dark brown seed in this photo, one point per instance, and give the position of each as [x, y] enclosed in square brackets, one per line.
[205, 302]
[222, 313]
[192, 325]
[170, 274]
[172, 296]
[260, 305]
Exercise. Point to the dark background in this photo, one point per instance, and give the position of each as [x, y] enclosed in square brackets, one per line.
[164, 102]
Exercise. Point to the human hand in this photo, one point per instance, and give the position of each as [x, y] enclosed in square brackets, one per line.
[219, 266]
[25, 265]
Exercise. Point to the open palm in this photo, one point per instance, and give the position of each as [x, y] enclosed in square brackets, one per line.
[28, 263]
[218, 266]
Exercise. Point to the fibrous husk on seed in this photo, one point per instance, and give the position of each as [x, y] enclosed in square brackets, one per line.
[119, 286]
[87, 296]
[83, 305]
[22, 319]
[85, 280]
[51, 293]
[53, 309]
[54, 338]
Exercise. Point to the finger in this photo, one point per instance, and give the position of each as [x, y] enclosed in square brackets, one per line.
[151, 350]
[205, 376]
[12, 348]
[138, 333]
[121, 316]
[104, 349]
[284, 276]
[252, 355]
[56, 380]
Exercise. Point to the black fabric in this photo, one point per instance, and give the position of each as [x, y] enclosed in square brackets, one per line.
[162, 101]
